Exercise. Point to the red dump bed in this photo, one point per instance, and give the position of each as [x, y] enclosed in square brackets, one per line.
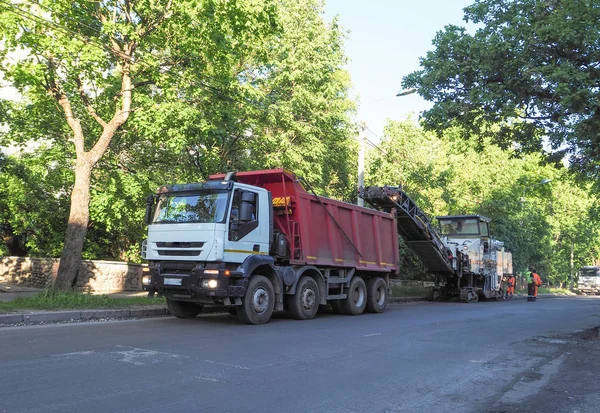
[325, 232]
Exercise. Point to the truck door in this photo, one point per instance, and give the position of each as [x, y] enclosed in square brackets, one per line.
[248, 226]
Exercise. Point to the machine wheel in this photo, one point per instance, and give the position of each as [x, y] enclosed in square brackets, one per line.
[472, 297]
[259, 301]
[305, 303]
[183, 309]
[376, 295]
[356, 301]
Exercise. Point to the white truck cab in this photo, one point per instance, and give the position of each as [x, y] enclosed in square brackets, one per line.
[589, 280]
[203, 222]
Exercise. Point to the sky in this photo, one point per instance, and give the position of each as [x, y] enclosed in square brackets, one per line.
[385, 41]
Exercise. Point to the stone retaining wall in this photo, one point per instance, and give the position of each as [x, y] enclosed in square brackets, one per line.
[93, 276]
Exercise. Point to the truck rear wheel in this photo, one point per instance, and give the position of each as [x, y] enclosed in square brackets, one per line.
[183, 309]
[305, 303]
[376, 295]
[259, 301]
[356, 301]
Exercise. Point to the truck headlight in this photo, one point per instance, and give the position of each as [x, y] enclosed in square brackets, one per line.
[211, 283]
[144, 249]
[146, 279]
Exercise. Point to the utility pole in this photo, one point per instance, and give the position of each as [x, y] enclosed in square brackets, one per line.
[361, 162]
[362, 139]
[571, 275]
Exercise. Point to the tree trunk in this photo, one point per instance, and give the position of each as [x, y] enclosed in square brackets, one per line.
[79, 217]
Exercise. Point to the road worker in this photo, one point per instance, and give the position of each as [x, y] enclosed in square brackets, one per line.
[537, 281]
[510, 287]
[530, 284]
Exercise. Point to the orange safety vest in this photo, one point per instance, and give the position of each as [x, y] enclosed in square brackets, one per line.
[536, 279]
[511, 281]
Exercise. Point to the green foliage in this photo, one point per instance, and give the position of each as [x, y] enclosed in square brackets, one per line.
[530, 69]
[217, 86]
[284, 104]
[33, 205]
[398, 291]
[539, 223]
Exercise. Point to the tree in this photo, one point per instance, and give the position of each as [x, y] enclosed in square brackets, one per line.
[450, 175]
[530, 70]
[83, 61]
[285, 104]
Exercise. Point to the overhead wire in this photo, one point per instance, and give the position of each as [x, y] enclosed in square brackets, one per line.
[29, 15]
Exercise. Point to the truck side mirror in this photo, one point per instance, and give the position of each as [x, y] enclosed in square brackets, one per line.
[149, 209]
[247, 206]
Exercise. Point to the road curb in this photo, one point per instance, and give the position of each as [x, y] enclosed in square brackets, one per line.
[48, 317]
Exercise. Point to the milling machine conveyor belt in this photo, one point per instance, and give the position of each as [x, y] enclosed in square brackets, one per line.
[413, 225]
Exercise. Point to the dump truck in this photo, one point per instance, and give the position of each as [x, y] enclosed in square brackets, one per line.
[260, 241]
[466, 261]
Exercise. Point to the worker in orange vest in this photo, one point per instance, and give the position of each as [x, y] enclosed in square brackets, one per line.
[510, 287]
[537, 281]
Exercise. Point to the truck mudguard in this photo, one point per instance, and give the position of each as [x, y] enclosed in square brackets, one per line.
[254, 261]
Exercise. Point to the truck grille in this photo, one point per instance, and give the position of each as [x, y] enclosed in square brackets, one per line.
[180, 253]
[179, 249]
[179, 244]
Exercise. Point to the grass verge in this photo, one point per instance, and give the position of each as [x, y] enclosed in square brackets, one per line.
[66, 300]
[410, 291]
[543, 290]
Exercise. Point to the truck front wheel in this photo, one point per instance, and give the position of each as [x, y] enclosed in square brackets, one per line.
[305, 303]
[259, 301]
[356, 301]
[183, 309]
[376, 295]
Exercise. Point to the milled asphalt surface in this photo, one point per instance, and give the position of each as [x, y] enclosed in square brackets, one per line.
[416, 357]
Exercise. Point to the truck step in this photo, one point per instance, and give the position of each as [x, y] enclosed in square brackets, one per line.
[337, 280]
[337, 296]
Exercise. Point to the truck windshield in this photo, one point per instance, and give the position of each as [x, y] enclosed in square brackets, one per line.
[202, 207]
[589, 272]
[453, 227]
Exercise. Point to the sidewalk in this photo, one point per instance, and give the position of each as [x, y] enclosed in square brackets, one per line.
[9, 292]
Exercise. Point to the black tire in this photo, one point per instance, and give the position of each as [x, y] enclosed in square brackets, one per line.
[377, 295]
[258, 302]
[183, 309]
[356, 301]
[305, 303]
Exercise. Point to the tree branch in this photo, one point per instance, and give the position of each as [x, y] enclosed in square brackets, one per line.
[57, 92]
[88, 104]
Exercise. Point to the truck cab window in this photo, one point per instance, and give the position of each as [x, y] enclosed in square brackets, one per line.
[243, 218]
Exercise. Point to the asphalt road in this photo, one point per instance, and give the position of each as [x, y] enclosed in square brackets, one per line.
[418, 357]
